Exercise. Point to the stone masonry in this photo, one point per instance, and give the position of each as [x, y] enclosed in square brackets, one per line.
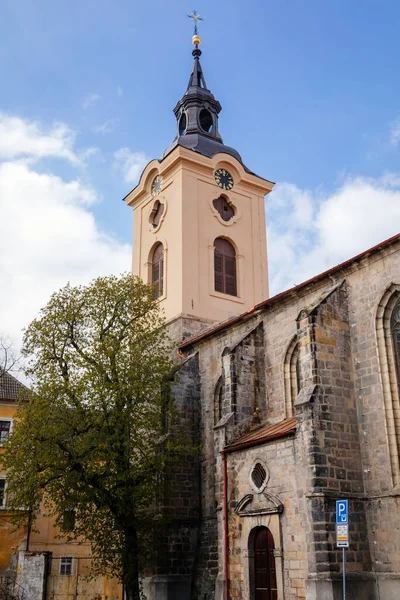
[339, 446]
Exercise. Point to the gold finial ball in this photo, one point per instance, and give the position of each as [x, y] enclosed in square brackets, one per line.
[196, 40]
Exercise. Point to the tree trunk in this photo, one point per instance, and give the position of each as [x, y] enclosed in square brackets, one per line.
[131, 565]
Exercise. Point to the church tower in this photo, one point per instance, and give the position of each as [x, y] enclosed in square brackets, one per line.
[199, 220]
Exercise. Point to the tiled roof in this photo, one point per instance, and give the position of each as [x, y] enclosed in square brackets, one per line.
[265, 434]
[11, 388]
[275, 299]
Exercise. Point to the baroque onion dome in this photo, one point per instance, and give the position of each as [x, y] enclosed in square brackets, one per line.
[197, 115]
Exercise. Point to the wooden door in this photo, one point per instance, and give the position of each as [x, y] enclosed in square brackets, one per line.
[264, 566]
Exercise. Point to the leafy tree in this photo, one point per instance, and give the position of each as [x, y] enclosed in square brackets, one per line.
[93, 440]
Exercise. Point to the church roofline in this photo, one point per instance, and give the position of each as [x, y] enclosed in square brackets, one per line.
[283, 295]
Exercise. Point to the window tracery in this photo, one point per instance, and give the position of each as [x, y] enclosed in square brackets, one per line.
[218, 397]
[292, 376]
[259, 476]
[395, 331]
[388, 338]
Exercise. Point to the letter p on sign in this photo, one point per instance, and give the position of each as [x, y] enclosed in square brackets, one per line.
[342, 512]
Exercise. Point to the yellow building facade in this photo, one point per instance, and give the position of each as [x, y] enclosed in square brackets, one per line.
[41, 563]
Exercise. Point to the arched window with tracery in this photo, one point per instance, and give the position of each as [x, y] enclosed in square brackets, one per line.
[388, 337]
[395, 327]
[218, 399]
[224, 267]
[157, 270]
[292, 376]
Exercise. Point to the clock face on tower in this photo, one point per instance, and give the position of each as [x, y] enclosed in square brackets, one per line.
[224, 179]
[156, 185]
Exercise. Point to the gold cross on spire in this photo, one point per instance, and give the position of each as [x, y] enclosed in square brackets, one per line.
[195, 17]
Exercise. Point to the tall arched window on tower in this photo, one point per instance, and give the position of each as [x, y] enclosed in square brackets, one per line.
[157, 271]
[224, 267]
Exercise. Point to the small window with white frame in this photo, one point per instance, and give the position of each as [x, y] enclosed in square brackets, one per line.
[66, 563]
[3, 486]
[5, 429]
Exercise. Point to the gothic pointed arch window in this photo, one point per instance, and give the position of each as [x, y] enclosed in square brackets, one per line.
[157, 270]
[218, 400]
[225, 280]
[388, 336]
[292, 376]
[395, 327]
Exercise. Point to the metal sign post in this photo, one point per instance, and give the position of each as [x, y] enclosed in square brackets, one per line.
[344, 573]
[342, 534]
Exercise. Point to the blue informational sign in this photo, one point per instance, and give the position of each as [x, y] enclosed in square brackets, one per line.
[342, 512]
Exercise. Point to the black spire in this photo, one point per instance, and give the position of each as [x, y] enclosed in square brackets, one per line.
[197, 114]
[196, 77]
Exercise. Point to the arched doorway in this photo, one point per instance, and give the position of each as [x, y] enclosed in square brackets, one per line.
[262, 565]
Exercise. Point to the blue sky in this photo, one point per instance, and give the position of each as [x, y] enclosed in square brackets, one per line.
[310, 95]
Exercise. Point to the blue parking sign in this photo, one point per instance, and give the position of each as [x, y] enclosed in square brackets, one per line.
[342, 512]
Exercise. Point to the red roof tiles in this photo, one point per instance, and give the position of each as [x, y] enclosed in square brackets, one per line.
[263, 435]
[275, 299]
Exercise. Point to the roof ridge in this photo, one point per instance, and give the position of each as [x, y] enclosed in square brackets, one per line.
[264, 434]
[274, 299]
[11, 387]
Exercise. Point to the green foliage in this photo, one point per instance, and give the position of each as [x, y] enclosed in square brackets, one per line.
[94, 436]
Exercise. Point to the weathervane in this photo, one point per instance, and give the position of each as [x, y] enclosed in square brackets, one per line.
[195, 17]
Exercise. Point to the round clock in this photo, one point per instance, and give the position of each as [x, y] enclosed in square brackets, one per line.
[224, 179]
[156, 185]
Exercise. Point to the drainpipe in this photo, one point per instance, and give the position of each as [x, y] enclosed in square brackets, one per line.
[226, 532]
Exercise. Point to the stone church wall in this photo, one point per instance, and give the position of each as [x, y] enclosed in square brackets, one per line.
[287, 528]
[341, 445]
[328, 440]
[171, 571]
[382, 494]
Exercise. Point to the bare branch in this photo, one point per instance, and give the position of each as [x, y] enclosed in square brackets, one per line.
[10, 362]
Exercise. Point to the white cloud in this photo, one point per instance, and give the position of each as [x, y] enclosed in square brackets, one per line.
[131, 164]
[106, 127]
[311, 231]
[120, 91]
[48, 235]
[86, 154]
[90, 100]
[29, 139]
